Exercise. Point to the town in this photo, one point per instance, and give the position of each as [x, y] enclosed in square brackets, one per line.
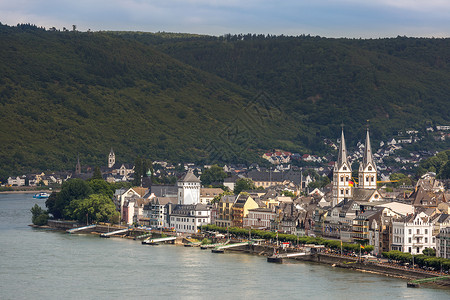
[355, 207]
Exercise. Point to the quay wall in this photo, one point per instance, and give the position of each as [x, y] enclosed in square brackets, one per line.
[337, 261]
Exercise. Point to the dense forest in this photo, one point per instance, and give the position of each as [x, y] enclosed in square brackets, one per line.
[183, 97]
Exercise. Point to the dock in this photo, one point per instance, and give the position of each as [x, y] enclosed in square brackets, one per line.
[208, 246]
[107, 235]
[80, 228]
[278, 258]
[220, 249]
[158, 240]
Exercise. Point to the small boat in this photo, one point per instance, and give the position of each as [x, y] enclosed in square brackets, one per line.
[41, 195]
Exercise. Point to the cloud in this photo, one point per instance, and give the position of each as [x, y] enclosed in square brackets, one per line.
[351, 18]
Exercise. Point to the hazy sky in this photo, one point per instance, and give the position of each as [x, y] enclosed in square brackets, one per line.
[329, 18]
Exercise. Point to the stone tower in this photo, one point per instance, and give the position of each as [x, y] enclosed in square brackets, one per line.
[367, 169]
[189, 189]
[342, 175]
[111, 159]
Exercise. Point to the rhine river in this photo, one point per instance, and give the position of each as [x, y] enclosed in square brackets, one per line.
[44, 264]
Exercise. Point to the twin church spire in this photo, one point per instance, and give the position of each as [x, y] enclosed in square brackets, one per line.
[342, 174]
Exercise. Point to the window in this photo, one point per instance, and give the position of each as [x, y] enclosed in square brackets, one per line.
[367, 178]
[344, 168]
[426, 240]
[342, 192]
[426, 231]
[418, 231]
[409, 240]
[371, 178]
[369, 168]
[346, 192]
[409, 249]
[409, 231]
[342, 178]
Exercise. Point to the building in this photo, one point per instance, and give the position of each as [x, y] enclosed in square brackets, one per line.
[208, 194]
[413, 234]
[225, 211]
[240, 209]
[157, 211]
[16, 181]
[443, 243]
[342, 173]
[189, 217]
[260, 218]
[367, 170]
[189, 189]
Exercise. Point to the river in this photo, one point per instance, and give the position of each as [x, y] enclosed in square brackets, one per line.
[44, 264]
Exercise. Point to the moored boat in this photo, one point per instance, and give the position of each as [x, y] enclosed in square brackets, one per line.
[41, 195]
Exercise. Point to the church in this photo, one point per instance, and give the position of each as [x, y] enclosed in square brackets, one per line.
[344, 187]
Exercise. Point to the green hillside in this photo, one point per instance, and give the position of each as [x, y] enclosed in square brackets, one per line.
[199, 98]
[64, 93]
[395, 83]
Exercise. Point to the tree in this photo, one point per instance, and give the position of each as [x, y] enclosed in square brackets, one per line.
[401, 179]
[444, 173]
[99, 186]
[39, 216]
[215, 174]
[97, 174]
[70, 190]
[243, 184]
[95, 208]
[217, 198]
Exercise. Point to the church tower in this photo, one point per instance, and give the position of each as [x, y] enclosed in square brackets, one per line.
[367, 169]
[342, 174]
[111, 159]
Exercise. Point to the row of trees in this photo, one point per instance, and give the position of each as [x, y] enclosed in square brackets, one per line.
[270, 235]
[421, 260]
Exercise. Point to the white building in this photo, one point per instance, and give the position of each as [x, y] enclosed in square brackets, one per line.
[188, 218]
[189, 189]
[413, 234]
[443, 243]
[16, 181]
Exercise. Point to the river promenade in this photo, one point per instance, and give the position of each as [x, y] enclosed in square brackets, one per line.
[48, 264]
[264, 248]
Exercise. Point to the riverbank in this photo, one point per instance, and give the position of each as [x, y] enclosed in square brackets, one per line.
[32, 190]
[334, 260]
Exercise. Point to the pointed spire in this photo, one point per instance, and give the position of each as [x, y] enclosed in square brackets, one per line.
[342, 158]
[112, 151]
[368, 157]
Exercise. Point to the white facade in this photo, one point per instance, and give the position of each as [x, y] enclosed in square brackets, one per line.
[111, 159]
[413, 235]
[17, 181]
[188, 218]
[189, 189]
[342, 175]
[443, 243]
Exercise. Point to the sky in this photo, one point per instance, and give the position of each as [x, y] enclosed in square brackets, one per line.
[327, 18]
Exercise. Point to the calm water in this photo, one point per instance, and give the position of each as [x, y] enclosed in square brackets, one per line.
[42, 264]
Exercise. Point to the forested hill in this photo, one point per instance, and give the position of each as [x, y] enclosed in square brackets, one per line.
[201, 98]
[396, 83]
